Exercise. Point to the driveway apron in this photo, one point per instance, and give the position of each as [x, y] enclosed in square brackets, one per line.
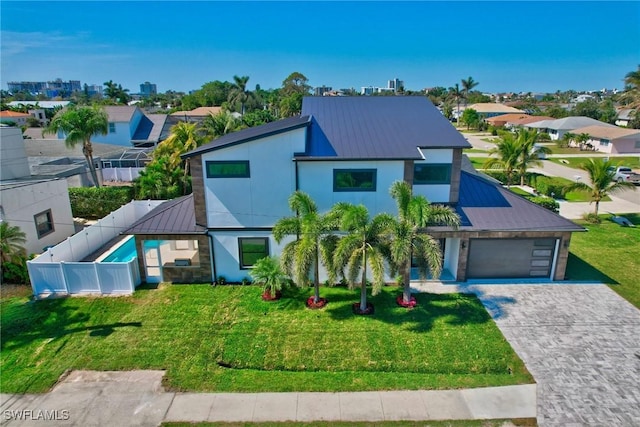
[582, 345]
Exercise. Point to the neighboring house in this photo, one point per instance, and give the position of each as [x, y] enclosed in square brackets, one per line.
[613, 140]
[8, 116]
[196, 115]
[129, 126]
[492, 109]
[558, 127]
[349, 149]
[46, 105]
[625, 115]
[503, 119]
[40, 207]
[516, 123]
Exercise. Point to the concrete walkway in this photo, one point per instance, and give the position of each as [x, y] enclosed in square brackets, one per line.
[581, 343]
[136, 398]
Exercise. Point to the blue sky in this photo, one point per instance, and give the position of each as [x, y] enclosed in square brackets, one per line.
[506, 46]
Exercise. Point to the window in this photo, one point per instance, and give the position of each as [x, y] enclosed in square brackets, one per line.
[604, 142]
[44, 223]
[112, 128]
[252, 249]
[228, 169]
[637, 144]
[425, 173]
[354, 180]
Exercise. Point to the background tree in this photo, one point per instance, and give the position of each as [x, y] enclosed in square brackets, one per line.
[79, 124]
[211, 94]
[631, 95]
[526, 140]
[222, 123]
[362, 247]
[12, 240]
[294, 88]
[470, 117]
[601, 173]
[556, 111]
[457, 94]
[239, 93]
[314, 244]
[583, 140]
[467, 85]
[566, 139]
[116, 93]
[409, 238]
[507, 151]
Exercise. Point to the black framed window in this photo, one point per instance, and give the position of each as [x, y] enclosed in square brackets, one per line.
[431, 173]
[44, 223]
[228, 169]
[354, 179]
[251, 250]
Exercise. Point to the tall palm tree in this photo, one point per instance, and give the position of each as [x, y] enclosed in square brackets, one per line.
[222, 123]
[508, 151]
[456, 93]
[415, 213]
[314, 244]
[601, 173]
[631, 94]
[529, 152]
[79, 124]
[467, 85]
[239, 92]
[12, 239]
[362, 247]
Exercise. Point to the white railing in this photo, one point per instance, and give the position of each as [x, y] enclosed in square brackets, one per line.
[59, 270]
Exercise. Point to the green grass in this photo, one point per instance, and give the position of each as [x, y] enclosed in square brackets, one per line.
[575, 162]
[474, 150]
[608, 253]
[478, 162]
[519, 191]
[226, 338]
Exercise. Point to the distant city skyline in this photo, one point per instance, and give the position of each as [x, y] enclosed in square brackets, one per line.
[505, 46]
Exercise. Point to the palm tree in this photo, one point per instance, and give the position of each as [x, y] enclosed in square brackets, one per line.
[467, 85]
[566, 139]
[508, 151]
[456, 94]
[314, 244]
[239, 92]
[183, 138]
[267, 272]
[601, 173]
[631, 94]
[79, 124]
[222, 123]
[529, 152]
[414, 213]
[583, 139]
[11, 240]
[116, 92]
[362, 247]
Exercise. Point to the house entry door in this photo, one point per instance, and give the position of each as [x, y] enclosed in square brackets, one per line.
[152, 261]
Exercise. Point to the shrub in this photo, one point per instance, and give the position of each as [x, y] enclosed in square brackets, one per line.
[544, 136]
[95, 203]
[15, 271]
[591, 218]
[550, 186]
[546, 202]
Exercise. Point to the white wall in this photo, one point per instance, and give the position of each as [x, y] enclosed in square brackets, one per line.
[262, 199]
[316, 179]
[122, 135]
[451, 255]
[21, 202]
[13, 156]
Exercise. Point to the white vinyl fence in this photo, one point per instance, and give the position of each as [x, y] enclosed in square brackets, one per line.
[120, 174]
[59, 270]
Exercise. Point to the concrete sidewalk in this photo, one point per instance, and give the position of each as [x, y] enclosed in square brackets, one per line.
[136, 398]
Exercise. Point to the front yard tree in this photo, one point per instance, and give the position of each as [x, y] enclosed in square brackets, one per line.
[410, 240]
[529, 152]
[507, 151]
[470, 117]
[457, 94]
[601, 173]
[12, 239]
[79, 124]
[314, 244]
[362, 247]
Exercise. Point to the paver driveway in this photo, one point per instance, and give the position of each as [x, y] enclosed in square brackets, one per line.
[582, 345]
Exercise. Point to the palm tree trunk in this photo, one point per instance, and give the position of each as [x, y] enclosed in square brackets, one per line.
[316, 278]
[87, 150]
[363, 285]
[597, 206]
[406, 277]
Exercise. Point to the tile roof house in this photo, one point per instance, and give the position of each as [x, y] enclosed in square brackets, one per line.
[612, 140]
[352, 149]
[492, 109]
[20, 119]
[503, 119]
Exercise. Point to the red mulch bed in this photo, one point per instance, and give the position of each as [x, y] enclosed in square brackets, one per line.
[266, 296]
[356, 309]
[315, 305]
[412, 302]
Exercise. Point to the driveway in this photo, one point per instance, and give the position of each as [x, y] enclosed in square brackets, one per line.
[581, 343]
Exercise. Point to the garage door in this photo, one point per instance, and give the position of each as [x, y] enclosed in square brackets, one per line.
[510, 258]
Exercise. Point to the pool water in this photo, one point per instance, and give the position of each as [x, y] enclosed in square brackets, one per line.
[124, 253]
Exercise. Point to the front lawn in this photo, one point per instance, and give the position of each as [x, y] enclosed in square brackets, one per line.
[226, 338]
[575, 162]
[608, 253]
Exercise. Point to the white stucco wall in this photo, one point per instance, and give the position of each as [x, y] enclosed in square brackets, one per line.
[451, 255]
[262, 199]
[316, 179]
[20, 202]
[13, 156]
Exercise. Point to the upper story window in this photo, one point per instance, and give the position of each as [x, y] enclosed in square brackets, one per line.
[228, 169]
[431, 173]
[44, 223]
[112, 127]
[354, 179]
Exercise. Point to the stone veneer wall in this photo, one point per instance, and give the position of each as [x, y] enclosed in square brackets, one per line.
[197, 186]
[187, 274]
[456, 165]
[561, 257]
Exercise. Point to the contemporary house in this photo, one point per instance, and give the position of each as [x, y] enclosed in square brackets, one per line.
[612, 139]
[348, 149]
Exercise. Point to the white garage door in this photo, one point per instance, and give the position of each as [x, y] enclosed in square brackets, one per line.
[510, 258]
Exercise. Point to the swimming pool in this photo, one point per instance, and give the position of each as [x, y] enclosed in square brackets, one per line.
[123, 253]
